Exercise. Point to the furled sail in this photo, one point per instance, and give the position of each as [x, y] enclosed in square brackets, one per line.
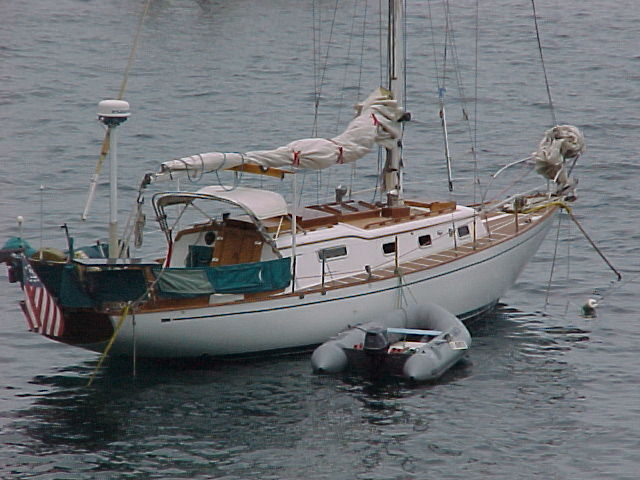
[376, 122]
[560, 143]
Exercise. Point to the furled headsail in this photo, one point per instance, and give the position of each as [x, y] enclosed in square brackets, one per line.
[560, 143]
[376, 122]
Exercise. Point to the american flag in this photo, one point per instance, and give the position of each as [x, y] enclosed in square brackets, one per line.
[39, 307]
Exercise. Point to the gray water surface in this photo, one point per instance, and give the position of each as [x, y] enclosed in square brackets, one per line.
[544, 393]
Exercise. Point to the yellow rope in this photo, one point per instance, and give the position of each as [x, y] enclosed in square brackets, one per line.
[555, 203]
[125, 312]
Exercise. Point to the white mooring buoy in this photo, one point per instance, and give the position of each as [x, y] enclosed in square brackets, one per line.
[589, 308]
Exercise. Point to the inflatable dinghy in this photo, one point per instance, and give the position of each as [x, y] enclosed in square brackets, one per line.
[421, 342]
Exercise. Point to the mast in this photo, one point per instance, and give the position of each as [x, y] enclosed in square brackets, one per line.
[392, 173]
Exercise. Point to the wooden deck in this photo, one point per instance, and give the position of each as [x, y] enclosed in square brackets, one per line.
[501, 226]
[360, 214]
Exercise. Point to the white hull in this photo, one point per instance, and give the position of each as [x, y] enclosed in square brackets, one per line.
[466, 287]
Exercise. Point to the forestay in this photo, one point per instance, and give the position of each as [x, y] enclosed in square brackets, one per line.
[376, 123]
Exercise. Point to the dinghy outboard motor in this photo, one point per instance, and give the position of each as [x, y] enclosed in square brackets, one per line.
[376, 340]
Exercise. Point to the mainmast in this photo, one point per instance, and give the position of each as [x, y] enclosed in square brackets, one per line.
[392, 174]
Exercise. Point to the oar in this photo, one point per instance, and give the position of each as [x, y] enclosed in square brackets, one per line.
[105, 142]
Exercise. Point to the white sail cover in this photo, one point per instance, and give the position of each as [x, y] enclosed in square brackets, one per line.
[560, 143]
[376, 123]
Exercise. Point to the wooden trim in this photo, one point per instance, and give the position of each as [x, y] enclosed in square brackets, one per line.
[208, 227]
[259, 170]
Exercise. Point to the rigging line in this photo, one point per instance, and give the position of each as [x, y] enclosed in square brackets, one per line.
[346, 68]
[116, 330]
[359, 85]
[128, 229]
[404, 59]
[352, 178]
[319, 82]
[378, 175]
[451, 42]
[449, 39]
[433, 44]
[323, 70]
[612, 287]
[458, 73]
[544, 69]
[41, 219]
[134, 48]
[591, 242]
[570, 240]
[510, 186]
[184, 209]
[362, 49]
[329, 179]
[300, 189]
[553, 263]
[446, 43]
[474, 140]
[569, 211]
[401, 296]
[381, 40]
[315, 49]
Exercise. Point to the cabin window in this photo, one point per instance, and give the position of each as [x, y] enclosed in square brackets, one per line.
[463, 231]
[424, 240]
[388, 248]
[332, 252]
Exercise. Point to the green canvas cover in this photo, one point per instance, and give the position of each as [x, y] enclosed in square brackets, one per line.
[242, 278]
[115, 285]
[251, 277]
[103, 285]
[50, 274]
[72, 293]
[183, 282]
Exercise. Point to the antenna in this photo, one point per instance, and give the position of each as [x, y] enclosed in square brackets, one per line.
[113, 113]
[20, 220]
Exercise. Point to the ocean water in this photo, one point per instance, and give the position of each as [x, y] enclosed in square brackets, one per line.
[544, 393]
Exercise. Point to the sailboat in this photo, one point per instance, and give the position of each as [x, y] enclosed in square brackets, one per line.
[257, 274]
